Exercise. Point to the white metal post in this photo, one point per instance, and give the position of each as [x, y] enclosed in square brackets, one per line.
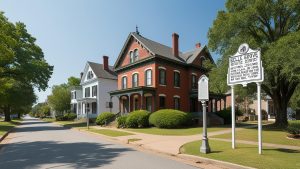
[232, 118]
[259, 117]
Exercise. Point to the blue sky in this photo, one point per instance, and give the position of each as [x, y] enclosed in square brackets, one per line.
[72, 32]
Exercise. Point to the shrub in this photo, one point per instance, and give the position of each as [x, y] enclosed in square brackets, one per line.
[294, 127]
[138, 118]
[121, 121]
[65, 117]
[71, 116]
[226, 114]
[105, 118]
[169, 118]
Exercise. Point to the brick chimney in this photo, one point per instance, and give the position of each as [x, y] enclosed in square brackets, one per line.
[105, 63]
[175, 45]
[198, 45]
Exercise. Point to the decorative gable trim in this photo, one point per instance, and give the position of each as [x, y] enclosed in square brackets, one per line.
[122, 53]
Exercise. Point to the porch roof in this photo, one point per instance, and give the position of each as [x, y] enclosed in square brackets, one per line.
[140, 89]
[87, 100]
[194, 93]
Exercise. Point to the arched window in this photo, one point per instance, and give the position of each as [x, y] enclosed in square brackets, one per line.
[162, 76]
[135, 80]
[135, 55]
[124, 82]
[148, 79]
[131, 57]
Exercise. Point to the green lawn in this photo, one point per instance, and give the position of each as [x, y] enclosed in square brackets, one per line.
[6, 126]
[247, 155]
[269, 135]
[108, 132]
[176, 132]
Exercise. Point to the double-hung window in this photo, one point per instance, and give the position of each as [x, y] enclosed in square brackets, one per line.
[162, 77]
[176, 103]
[124, 82]
[194, 81]
[94, 91]
[176, 79]
[148, 79]
[87, 92]
[135, 80]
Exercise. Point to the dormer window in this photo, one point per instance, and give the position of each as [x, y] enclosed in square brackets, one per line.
[90, 75]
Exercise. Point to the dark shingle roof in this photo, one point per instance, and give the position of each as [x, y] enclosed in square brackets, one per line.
[98, 69]
[163, 51]
[157, 48]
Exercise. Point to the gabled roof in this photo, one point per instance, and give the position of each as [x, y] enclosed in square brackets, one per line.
[160, 50]
[99, 71]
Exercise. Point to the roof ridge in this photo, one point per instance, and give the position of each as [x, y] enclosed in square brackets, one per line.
[154, 41]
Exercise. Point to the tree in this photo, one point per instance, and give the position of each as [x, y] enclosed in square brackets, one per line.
[22, 64]
[73, 81]
[60, 98]
[273, 26]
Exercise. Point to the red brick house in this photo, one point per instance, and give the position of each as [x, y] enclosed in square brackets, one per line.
[153, 76]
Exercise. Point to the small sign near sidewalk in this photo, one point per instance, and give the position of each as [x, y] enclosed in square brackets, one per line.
[245, 66]
[203, 96]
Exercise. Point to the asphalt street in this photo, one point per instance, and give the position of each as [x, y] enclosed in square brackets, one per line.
[38, 144]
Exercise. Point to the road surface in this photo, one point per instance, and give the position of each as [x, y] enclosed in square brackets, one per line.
[38, 144]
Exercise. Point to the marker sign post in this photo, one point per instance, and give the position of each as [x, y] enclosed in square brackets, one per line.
[203, 96]
[245, 67]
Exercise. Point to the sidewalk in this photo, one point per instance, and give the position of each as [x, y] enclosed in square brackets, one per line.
[164, 144]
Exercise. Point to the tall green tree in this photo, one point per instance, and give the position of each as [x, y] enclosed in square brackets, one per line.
[60, 98]
[273, 26]
[21, 62]
[73, 81]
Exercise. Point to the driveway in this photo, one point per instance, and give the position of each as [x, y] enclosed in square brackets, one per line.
[37, 144]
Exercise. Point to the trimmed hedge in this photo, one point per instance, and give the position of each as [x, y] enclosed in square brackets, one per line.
[169, 118]
[226, 114]
[293, 128]
[138, 119]
[104, 118]
[121, 121]
[66, 117]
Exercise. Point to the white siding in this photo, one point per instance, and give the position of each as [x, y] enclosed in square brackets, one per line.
[107, 85]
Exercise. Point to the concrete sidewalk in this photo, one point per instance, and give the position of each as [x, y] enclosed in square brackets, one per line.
[171, 144]
[161, 143]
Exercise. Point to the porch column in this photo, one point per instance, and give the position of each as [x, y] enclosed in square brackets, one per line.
[154, 100]
[142, 100]
[225, 103]
[129, 102]
[216, 107]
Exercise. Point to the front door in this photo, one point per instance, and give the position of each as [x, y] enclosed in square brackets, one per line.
[149, 104]
[136, 103]
[125, 106]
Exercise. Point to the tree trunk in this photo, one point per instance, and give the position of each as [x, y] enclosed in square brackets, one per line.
[7, 113]
[281, 113]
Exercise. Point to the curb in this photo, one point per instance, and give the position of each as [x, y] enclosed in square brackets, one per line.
[5, 135]
[191, 158]
[198, 159]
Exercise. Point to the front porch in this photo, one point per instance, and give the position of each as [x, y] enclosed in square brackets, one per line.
[216, 102]
[135, 99]
[87, 106]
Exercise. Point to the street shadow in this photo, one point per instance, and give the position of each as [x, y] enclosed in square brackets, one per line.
[38, 128]
[58, 154]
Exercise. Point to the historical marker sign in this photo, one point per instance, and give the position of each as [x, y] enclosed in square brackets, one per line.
[245, 66]
[203, 94]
